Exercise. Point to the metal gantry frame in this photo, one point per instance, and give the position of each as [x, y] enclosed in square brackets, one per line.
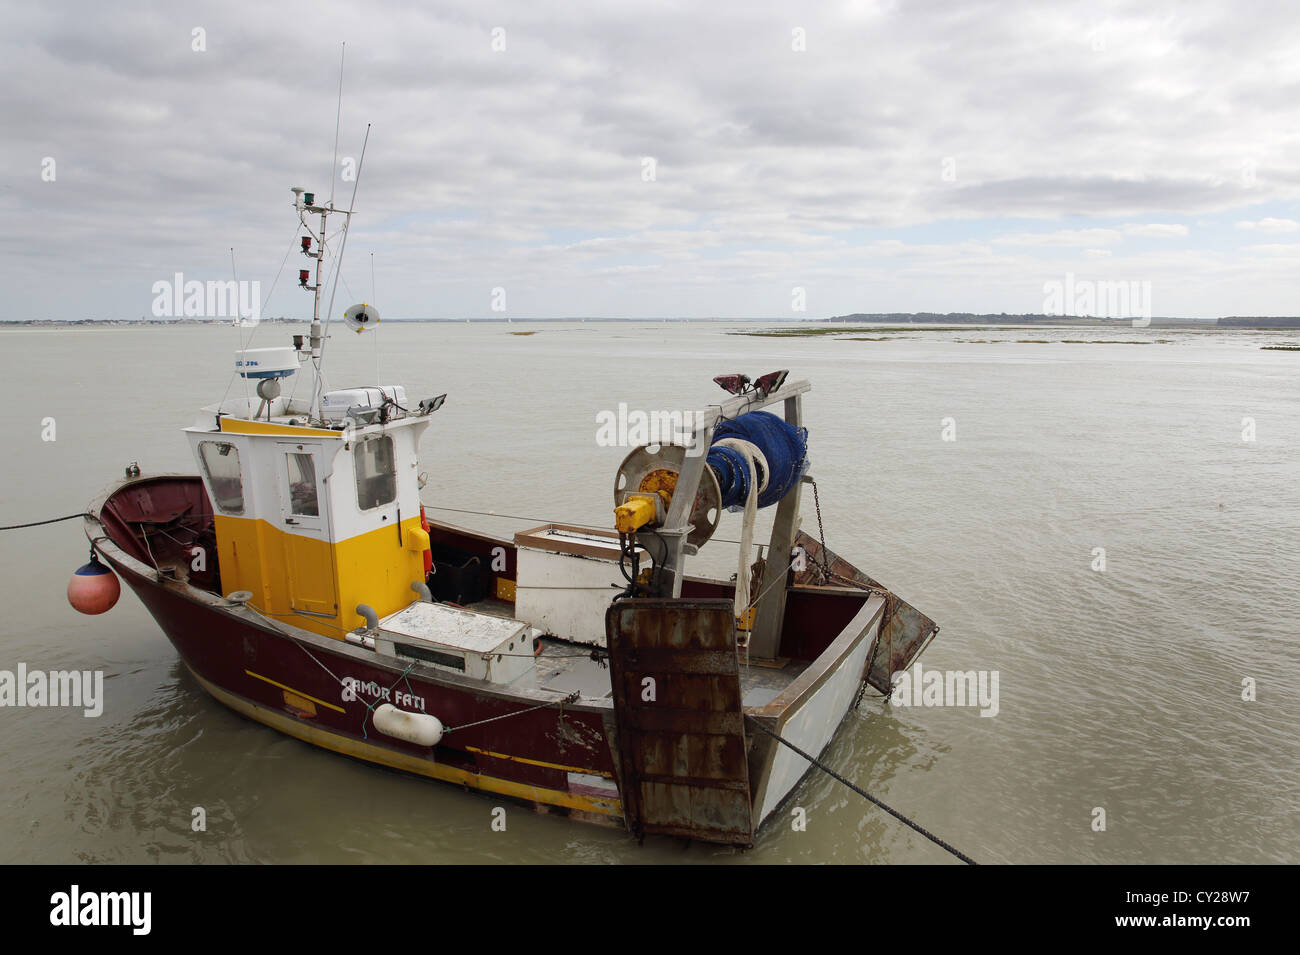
[765, 637]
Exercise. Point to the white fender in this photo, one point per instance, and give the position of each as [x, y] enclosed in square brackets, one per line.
[419, 728]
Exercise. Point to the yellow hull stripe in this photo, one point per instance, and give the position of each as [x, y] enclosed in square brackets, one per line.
[289, 689]
[243, 426]
[338, 743]
[538, 762]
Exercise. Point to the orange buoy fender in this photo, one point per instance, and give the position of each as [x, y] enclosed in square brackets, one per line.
[93, 588]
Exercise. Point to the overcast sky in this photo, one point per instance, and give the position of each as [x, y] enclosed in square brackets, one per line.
[879, 155]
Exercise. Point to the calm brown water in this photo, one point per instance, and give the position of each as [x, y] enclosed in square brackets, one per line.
[1119, 689]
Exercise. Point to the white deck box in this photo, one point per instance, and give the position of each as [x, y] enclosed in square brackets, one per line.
[479, 645]
[566, 579]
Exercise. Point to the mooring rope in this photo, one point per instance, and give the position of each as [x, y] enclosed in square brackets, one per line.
[866, 795]
[52, 520]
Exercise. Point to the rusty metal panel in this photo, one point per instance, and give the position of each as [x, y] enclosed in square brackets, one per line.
[904, 632]
[681, 737]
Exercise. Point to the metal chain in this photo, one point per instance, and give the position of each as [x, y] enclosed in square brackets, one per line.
[821, 531]
[571, 698]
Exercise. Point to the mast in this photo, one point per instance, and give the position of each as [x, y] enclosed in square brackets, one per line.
[305, 203]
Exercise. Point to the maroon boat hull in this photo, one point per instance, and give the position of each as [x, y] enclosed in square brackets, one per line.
[575, 756]
[295, 686]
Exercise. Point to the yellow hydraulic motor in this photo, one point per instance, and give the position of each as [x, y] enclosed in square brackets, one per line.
[648, 504]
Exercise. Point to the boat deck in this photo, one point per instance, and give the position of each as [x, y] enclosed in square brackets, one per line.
[564, 667]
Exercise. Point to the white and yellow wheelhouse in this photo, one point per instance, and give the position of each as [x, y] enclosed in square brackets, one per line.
[313, 521]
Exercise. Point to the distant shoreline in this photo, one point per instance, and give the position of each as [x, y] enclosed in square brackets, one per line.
[918, 319]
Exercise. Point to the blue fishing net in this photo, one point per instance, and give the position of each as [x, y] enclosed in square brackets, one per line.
[784, 446]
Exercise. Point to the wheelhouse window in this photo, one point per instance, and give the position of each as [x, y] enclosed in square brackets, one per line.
[376, 467]
[221, 462]
[303, 499]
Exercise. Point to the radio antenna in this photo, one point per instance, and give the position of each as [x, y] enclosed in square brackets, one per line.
[378, 377]
[337, 117]
[338, 269]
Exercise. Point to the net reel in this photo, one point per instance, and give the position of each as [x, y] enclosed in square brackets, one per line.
[651, 472]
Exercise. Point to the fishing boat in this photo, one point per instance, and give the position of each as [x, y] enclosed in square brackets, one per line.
[577, 670]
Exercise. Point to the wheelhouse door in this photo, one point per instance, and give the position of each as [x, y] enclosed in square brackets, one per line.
[305, 526]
